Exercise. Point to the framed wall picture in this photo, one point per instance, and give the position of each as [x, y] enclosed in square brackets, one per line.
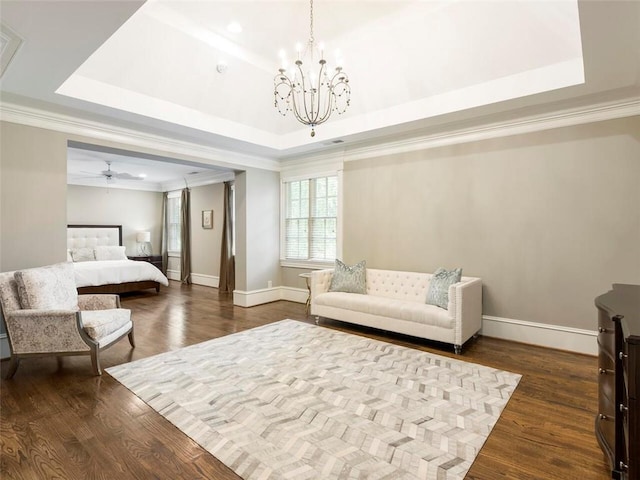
[207, 219]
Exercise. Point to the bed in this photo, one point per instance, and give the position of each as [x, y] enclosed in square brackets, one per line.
[101, 265]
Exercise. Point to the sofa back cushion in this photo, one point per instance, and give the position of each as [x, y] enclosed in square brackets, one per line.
[48, 288]
[409, 286]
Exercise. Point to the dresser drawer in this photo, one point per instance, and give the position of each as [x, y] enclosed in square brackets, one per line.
[606, 335]
[606, 434]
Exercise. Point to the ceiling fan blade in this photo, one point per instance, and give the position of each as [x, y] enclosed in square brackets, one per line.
[126, 176]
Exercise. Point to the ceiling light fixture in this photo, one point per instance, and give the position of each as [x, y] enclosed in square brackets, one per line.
[311, 95]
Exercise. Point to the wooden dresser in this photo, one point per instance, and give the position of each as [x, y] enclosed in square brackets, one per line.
[618, 421]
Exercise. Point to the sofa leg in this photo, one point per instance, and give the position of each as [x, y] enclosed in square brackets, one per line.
[457, 349]
[317, 320]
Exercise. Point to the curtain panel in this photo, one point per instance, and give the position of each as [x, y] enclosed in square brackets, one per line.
[227, 281]
[163, 247]
[185, 236]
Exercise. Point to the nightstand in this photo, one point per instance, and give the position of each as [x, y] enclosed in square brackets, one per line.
[155, 260]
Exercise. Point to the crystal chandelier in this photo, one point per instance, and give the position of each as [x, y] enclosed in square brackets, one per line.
[311, 95]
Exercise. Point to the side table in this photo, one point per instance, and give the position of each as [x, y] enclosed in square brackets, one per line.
[307, 277]
[155, 260]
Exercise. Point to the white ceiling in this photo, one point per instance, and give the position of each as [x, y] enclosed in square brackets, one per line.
[88, 165]
[414, 66]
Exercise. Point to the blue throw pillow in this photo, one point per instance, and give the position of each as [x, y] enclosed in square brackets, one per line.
[439, 284]
[349, 279]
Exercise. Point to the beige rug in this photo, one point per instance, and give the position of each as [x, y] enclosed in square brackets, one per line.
[291, 400]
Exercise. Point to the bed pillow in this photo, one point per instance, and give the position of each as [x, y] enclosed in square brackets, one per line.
[49, 288]
[84, 254]
[69, 257]
[349, 279]
[439, 284]
[104, 252]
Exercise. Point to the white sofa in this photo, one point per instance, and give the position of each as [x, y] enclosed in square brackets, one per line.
[396, 302]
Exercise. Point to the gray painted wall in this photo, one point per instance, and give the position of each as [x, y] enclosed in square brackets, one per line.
[33, 162]
[135, 210]
[206, 243]
[549, 220]
[257, 229]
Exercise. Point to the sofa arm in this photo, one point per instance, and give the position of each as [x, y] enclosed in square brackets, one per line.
[98, 301]
[44, 331]
[319, 283]
[465, 305]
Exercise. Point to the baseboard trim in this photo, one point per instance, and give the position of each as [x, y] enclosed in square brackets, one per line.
[291, 294]
[173, 275]
[5, 351]
[252, 298]
[256, 297]
[541, 334]
[205, 280]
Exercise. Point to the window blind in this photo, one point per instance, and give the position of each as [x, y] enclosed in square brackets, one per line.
[173, 224]
[311, 211]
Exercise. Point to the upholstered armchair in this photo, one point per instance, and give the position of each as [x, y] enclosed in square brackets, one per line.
[44, 315]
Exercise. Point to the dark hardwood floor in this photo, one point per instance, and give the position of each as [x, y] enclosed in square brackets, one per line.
[61, 422]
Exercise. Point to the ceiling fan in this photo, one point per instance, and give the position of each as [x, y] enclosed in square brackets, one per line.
[111, 175]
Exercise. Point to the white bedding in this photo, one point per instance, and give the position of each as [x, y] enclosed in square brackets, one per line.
[107, 272]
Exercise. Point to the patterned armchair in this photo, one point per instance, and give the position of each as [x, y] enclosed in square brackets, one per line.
[44, 315]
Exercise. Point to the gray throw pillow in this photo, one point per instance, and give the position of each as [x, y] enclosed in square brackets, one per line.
[349, 279]
[439, 284]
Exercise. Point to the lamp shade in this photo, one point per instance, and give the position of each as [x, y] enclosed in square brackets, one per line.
[142, 237]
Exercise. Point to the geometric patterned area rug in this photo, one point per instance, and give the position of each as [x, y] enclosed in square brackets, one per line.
[296, 401]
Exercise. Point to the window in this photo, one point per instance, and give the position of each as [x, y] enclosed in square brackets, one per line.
[311, 219]
[173, 222]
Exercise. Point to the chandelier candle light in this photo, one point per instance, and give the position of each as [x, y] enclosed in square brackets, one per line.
[311, 95]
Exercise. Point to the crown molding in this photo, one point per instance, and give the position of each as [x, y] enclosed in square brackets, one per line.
[334, 159]
[523, 125]
[200, 180]
[13, 113]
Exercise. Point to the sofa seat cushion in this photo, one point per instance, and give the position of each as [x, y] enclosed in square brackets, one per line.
[100, 323]
[386, 307]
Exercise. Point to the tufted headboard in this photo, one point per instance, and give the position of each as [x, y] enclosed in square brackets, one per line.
[80, 236]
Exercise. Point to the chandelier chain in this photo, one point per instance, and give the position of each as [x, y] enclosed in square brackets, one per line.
[311, 21]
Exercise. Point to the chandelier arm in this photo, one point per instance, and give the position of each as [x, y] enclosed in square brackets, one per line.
[295, 109]
[282, 80]
[343, 80]
[326, 111]
[307, 120]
